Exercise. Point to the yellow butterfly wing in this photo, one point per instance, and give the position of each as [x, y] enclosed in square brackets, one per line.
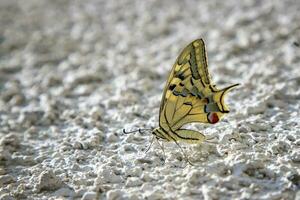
[189, 96]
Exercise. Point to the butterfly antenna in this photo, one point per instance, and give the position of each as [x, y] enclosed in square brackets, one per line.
[140, 130]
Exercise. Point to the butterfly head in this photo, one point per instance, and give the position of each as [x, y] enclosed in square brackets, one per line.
[159, 133]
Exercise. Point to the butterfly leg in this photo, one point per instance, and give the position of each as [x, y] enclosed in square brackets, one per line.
[163, 150]
[185, 156]
[152, 140]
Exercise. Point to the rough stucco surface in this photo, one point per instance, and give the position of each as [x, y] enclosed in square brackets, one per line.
[73, 74]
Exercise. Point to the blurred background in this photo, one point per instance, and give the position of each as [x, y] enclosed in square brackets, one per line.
[73, 74]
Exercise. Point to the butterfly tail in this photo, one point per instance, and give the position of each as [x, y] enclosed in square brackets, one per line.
[220, 97]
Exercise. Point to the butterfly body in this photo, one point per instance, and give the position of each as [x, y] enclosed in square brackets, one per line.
[189, 96]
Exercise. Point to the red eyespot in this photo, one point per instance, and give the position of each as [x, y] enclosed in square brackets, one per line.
[213, 118]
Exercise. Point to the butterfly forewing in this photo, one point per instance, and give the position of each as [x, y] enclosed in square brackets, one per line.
[191, 63]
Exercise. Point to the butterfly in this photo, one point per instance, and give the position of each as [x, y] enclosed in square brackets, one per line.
[189, 96]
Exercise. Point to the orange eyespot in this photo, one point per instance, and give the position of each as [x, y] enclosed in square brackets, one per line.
[205, 100]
